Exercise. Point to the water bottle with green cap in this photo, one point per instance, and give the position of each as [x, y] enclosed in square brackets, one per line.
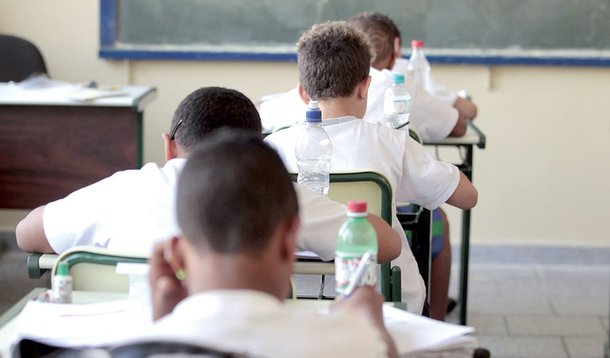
[61, 284]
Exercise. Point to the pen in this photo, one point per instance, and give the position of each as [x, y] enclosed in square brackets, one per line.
[356, 278]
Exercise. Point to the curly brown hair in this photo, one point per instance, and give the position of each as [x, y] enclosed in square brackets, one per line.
[333, 58]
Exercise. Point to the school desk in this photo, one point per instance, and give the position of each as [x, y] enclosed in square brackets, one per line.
[473, 137]
[51, 145]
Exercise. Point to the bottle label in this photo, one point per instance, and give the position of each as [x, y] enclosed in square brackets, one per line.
[345, 266]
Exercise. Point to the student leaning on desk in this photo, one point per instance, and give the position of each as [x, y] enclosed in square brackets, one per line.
[133, 209]
[237, 275]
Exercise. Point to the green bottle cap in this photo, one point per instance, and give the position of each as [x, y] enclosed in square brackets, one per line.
[63, 269]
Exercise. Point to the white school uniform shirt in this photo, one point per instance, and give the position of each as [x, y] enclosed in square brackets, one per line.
[128, 211]
[432, 118]
[282, 110]
[133, 209]
[415, 176]
[259, 325]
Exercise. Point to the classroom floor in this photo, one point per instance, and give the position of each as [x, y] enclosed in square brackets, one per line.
[523, 301]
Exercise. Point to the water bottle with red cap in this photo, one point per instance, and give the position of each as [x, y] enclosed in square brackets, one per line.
[356, 243]
[418, 69]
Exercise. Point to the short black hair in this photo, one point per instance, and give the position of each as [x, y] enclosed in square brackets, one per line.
[210, 108]
[233, 193]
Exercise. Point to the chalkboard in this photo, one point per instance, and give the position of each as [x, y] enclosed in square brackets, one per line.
[273, 26]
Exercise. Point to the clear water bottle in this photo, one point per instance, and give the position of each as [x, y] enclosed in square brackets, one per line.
[418, 68]
[313, 151]
[356, 251]
[396, 103]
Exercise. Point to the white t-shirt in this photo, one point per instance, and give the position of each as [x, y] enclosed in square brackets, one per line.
[282, 110]
[415, 176]
[259, 325]
[133, 209]
[432, 118]
[128, 211]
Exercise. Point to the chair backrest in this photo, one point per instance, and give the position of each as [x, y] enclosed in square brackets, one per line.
[20, 59]
[376, 190]
[94, 269]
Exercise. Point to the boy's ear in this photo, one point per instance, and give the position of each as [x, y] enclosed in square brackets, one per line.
[290, 229]
[362, 90]
[304, 96]
[171, 150]
[396, 52]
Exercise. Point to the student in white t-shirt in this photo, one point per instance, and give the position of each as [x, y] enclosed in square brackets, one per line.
[238, 275]
[133, 209]
[333, 61]
[435, 115]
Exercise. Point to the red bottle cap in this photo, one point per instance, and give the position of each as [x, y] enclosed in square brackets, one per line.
[356, 206]
[417, 44]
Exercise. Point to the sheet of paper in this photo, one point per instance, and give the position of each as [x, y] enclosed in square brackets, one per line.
[82, 324]
[416, 333]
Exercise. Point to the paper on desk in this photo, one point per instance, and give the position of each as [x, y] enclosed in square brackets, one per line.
[413, 333]
[72, 325]
[90, 94]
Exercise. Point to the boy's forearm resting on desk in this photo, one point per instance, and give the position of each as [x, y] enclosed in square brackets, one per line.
[466, 107]
[465, 195]
[388, 241]
[460, 127]
[30, 233]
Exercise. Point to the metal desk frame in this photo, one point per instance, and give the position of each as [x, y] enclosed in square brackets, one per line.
[474, 137]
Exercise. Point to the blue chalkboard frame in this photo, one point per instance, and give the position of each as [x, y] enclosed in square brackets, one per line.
[109, 50]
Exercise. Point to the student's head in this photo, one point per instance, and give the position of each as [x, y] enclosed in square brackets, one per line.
[383, 35]
[206, 110]
[236, 200]
[333, 59]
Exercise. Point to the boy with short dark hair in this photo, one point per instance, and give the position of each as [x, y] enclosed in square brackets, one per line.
[243, 270]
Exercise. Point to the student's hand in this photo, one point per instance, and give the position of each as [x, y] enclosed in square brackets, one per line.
[366, 302]
[166, 289]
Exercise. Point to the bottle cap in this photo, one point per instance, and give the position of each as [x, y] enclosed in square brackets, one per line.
[63, 269]
[398, 78]
[313, 113]
[417, 44]
[356, 206]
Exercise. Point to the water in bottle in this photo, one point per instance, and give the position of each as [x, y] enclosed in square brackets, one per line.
[396, 103]
[418, 68]
[356, 238]
[313, 152]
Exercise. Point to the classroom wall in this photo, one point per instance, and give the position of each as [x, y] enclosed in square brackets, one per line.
[543, 178]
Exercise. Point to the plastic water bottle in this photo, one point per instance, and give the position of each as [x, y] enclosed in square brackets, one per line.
[356, 238]
[313, 152]
[61, 285]
[396, 103]
[418, 68]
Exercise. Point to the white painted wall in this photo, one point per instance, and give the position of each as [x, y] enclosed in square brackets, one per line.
[543, 179]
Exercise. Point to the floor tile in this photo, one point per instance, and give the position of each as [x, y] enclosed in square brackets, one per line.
[488, 324]
[575, 305]
[514, 304]
[526, 347]
[584, 347]
[554, 326]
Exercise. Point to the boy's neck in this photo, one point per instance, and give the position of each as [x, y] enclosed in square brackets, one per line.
[341, 107]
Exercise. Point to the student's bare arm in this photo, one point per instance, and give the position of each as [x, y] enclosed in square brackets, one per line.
[30, 233]
[388, 241]
[466, 107]
[465, 195]
[460, 127]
